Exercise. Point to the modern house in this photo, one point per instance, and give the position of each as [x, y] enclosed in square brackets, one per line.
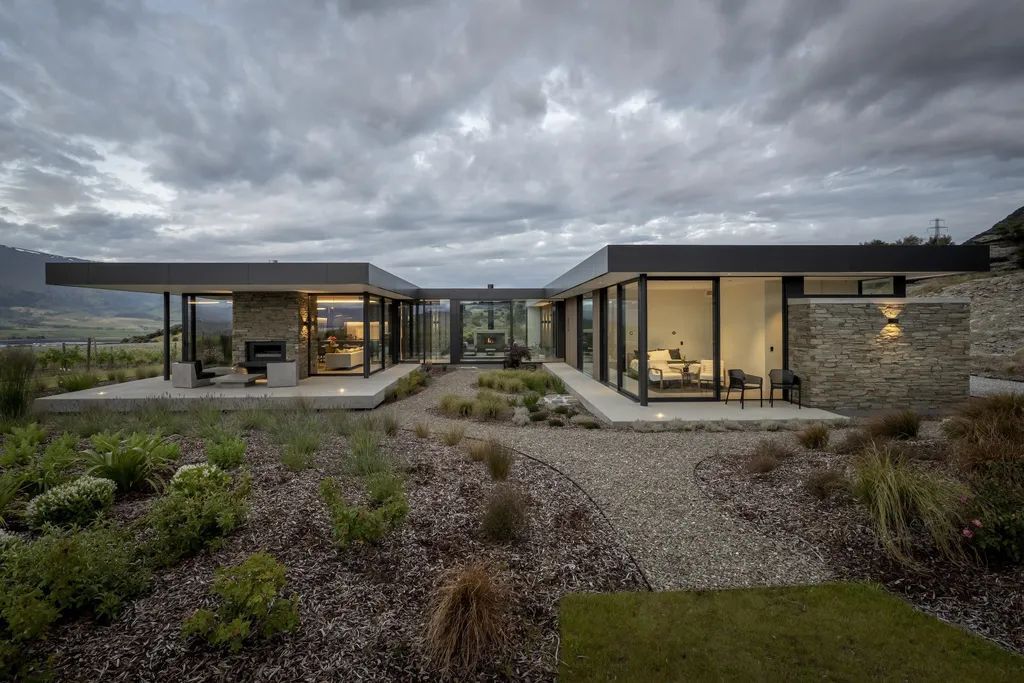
[653, 322]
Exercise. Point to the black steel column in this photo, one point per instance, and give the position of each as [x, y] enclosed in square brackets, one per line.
[558, 328]
[716, 325]
[899, 286]
[602, 334]
[366, 335]
[167, 336]
[193, 340]
[455, 330]
[642, 336]
[184, 329]
[792, 288]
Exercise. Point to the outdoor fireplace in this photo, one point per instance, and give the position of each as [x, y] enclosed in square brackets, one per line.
[490, 341]
[259, 353]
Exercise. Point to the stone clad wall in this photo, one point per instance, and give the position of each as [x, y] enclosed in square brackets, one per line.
[850, 359]
[271, 316]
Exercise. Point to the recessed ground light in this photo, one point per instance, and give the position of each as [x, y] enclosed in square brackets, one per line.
[660, 415]
[100, 393]
[341, 391]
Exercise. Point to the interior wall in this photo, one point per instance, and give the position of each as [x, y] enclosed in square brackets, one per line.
[680, 318]
[751, 310]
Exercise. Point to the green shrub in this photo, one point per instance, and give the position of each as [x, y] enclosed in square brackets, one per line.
[21, 444]
[77, 381]
[17, 367]
[453, 435]
[422, 430]
[997, 526]
[130, 462]
[76, 503]
[555, 422]
[456, 406]
[898, 495]
[499, 461]
[902, 424]
[53, 467]
[226, 452]
[585, 421]
[814, 437]
[251, 605]
[10, 487]
[365, 453]
[59, 575]
[382, 487]
[410, 384]
[201, 506]
[822, 483]
[504, 518]
[489, 406]
[538, 416]
[356, 524]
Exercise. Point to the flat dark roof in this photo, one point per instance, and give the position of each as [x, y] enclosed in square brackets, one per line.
[608, 265]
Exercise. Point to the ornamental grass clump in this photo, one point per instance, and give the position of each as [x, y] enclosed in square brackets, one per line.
[453, 435]
[466, 620]
[251, 606]
[900, 497]
[132, 462]
[17, 368]
[901, 424]
[76, 503]
[499, 460]
[422, 430]
[366, 456]
[77, 381]
[773, 448]
[201, 506]
[454, 405]
[823, 483]
[758, 463]
[814, 437]
[489, 406]
[987, 430]
[504, 519]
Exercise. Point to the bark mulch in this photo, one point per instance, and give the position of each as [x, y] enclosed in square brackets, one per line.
[363, 609]
[986, 600]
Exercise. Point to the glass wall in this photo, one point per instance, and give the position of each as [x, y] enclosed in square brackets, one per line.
[374, 344]
[631, 337]
[751, 314]
[486, 330]
[680, 339]
[437, 337]
[612, 347]
[212, 340]
[337, 338]
[387, 314]
[587, 334]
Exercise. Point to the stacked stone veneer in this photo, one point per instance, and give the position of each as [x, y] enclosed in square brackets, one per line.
[851, 359]
[271, 316]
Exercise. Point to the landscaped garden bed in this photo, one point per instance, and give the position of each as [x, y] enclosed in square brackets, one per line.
[369, 526]
[928, 512]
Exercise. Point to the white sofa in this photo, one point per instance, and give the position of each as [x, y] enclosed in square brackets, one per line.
[342, 360]
[660, 367]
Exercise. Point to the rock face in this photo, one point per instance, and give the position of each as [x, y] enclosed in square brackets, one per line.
[852, 360]
[1004, 249]
[997, 311]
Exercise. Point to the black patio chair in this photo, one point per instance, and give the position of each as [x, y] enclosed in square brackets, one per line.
[742, 381]
[786, 380]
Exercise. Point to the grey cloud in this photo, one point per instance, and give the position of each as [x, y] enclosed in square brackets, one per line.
[448, 140]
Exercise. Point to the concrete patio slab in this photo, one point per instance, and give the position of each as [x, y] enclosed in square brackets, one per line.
[319, 393]
[620, 411]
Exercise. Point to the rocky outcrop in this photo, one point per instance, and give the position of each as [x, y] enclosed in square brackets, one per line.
[997, 310]
[1005, 241]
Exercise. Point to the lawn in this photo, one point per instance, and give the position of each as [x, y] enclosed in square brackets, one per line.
[829, 632]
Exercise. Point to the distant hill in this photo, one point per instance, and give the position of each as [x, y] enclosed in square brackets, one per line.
[1005, 240]
[29, 308]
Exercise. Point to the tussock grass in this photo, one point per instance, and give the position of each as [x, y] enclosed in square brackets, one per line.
[453, 435]
[773, 448]
[988, 429]
[422, 430]
[489, 406]
[466, 620]
[17, 367]
[499, 461]
[822, 483]
[504, 518]
[901, 424]
[814, 437]
[760, 463]
[365, 453]
[899, 496]
[454, 405]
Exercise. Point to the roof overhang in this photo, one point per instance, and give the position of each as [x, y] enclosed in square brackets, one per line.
[616, 263]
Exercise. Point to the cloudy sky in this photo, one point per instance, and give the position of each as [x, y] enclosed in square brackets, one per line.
[472, 142]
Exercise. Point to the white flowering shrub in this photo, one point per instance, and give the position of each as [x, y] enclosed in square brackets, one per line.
[199, 479]
[78, 502]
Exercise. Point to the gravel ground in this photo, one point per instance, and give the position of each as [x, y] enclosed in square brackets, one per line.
[986, 386]
[644, 483]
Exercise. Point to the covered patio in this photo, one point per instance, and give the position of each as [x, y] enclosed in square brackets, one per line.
[318, 393]
[620, 411]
